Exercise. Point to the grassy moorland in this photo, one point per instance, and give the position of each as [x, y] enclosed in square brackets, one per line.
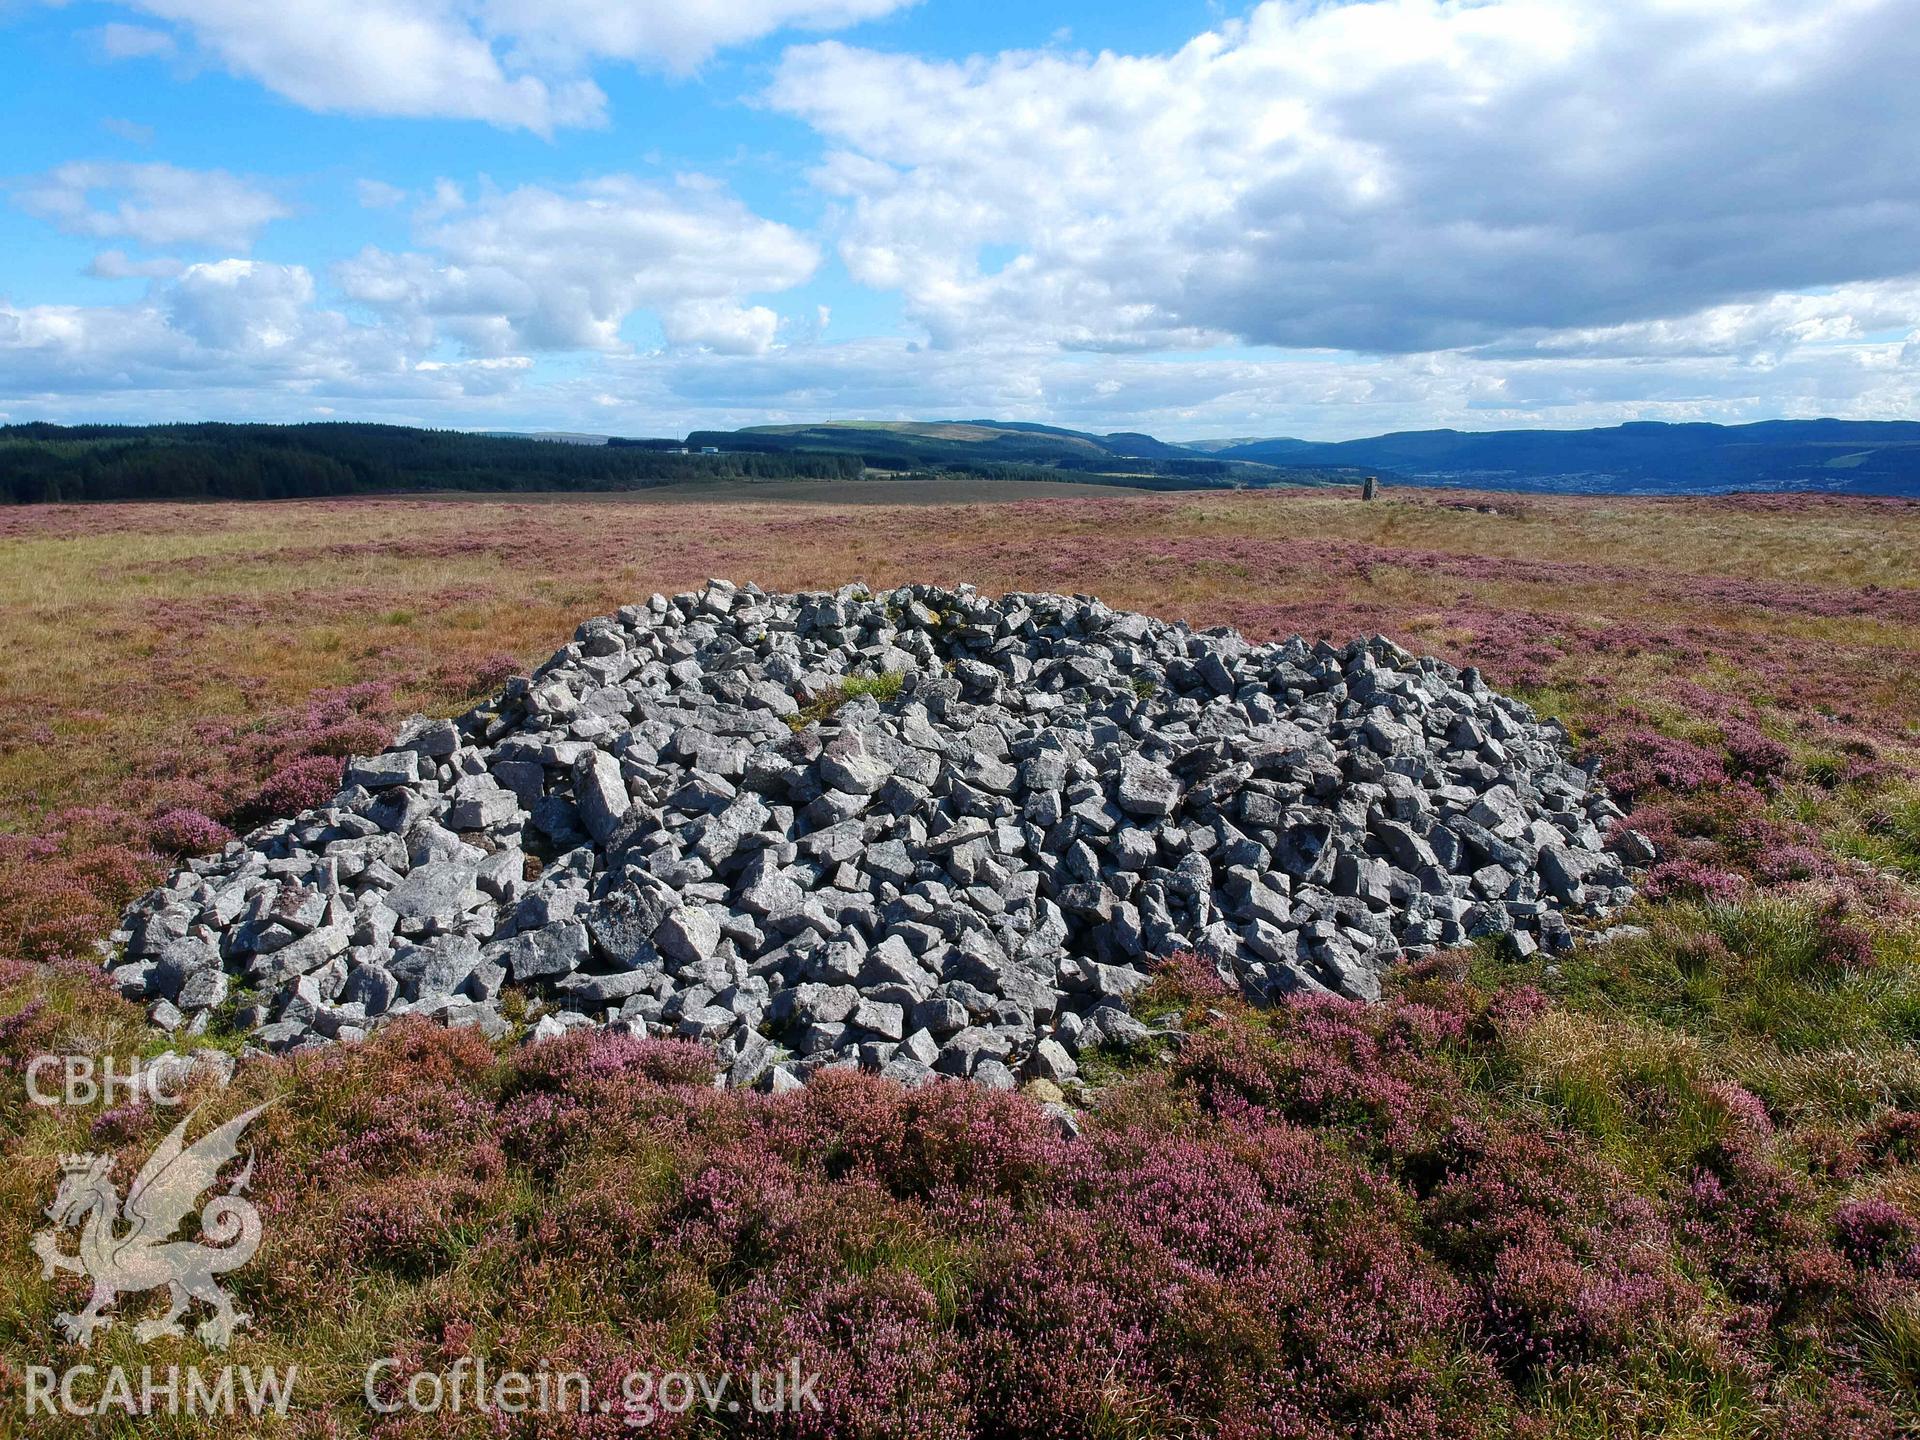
[1668, 1186]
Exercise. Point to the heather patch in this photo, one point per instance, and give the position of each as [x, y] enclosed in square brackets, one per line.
[1728, 1099]
[86, 645]
[1325, 1217]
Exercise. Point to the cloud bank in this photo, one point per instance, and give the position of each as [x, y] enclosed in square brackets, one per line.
[1321, 219]
[1402, 176]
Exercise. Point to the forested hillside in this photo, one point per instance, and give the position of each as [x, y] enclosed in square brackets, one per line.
[1009, 450]
[43, 463]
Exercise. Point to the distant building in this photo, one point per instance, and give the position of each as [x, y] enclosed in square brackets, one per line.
[709, 449]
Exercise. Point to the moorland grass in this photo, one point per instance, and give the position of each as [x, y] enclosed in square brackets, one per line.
[1653, 1187]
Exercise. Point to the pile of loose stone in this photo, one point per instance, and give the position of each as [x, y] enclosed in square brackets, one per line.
[963, 867]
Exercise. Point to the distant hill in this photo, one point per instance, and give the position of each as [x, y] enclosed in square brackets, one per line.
[563, 437]
[1861, 457]
[238, 462]
[1845, 456]
[1014, 450]
[1214, 447]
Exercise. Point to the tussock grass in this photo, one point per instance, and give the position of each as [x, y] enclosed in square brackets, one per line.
[1886, 832]
[882, 687]
[1890, 1348]
[1636, 1088]
[1764, 968]
[1750, 993]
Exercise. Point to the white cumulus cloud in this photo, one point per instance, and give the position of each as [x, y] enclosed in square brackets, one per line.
[156, 204]
[1397, 176]
[513, 63]
[224, 338]
[241, 306]
[537, 268]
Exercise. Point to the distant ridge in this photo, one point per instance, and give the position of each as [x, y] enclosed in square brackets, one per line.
[40, 462]
[1003, 449]
[1865, 457]
[563, 437]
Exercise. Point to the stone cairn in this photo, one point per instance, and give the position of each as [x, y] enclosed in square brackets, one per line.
[921, 831]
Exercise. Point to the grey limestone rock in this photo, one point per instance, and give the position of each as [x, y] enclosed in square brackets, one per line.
[969, 873]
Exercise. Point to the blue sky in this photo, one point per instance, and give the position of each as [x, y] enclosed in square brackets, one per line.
[637, 217]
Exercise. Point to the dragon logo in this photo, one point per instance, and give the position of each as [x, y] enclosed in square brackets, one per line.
[144, 1255]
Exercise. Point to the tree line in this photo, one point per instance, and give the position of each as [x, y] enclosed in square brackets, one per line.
[41, 464]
